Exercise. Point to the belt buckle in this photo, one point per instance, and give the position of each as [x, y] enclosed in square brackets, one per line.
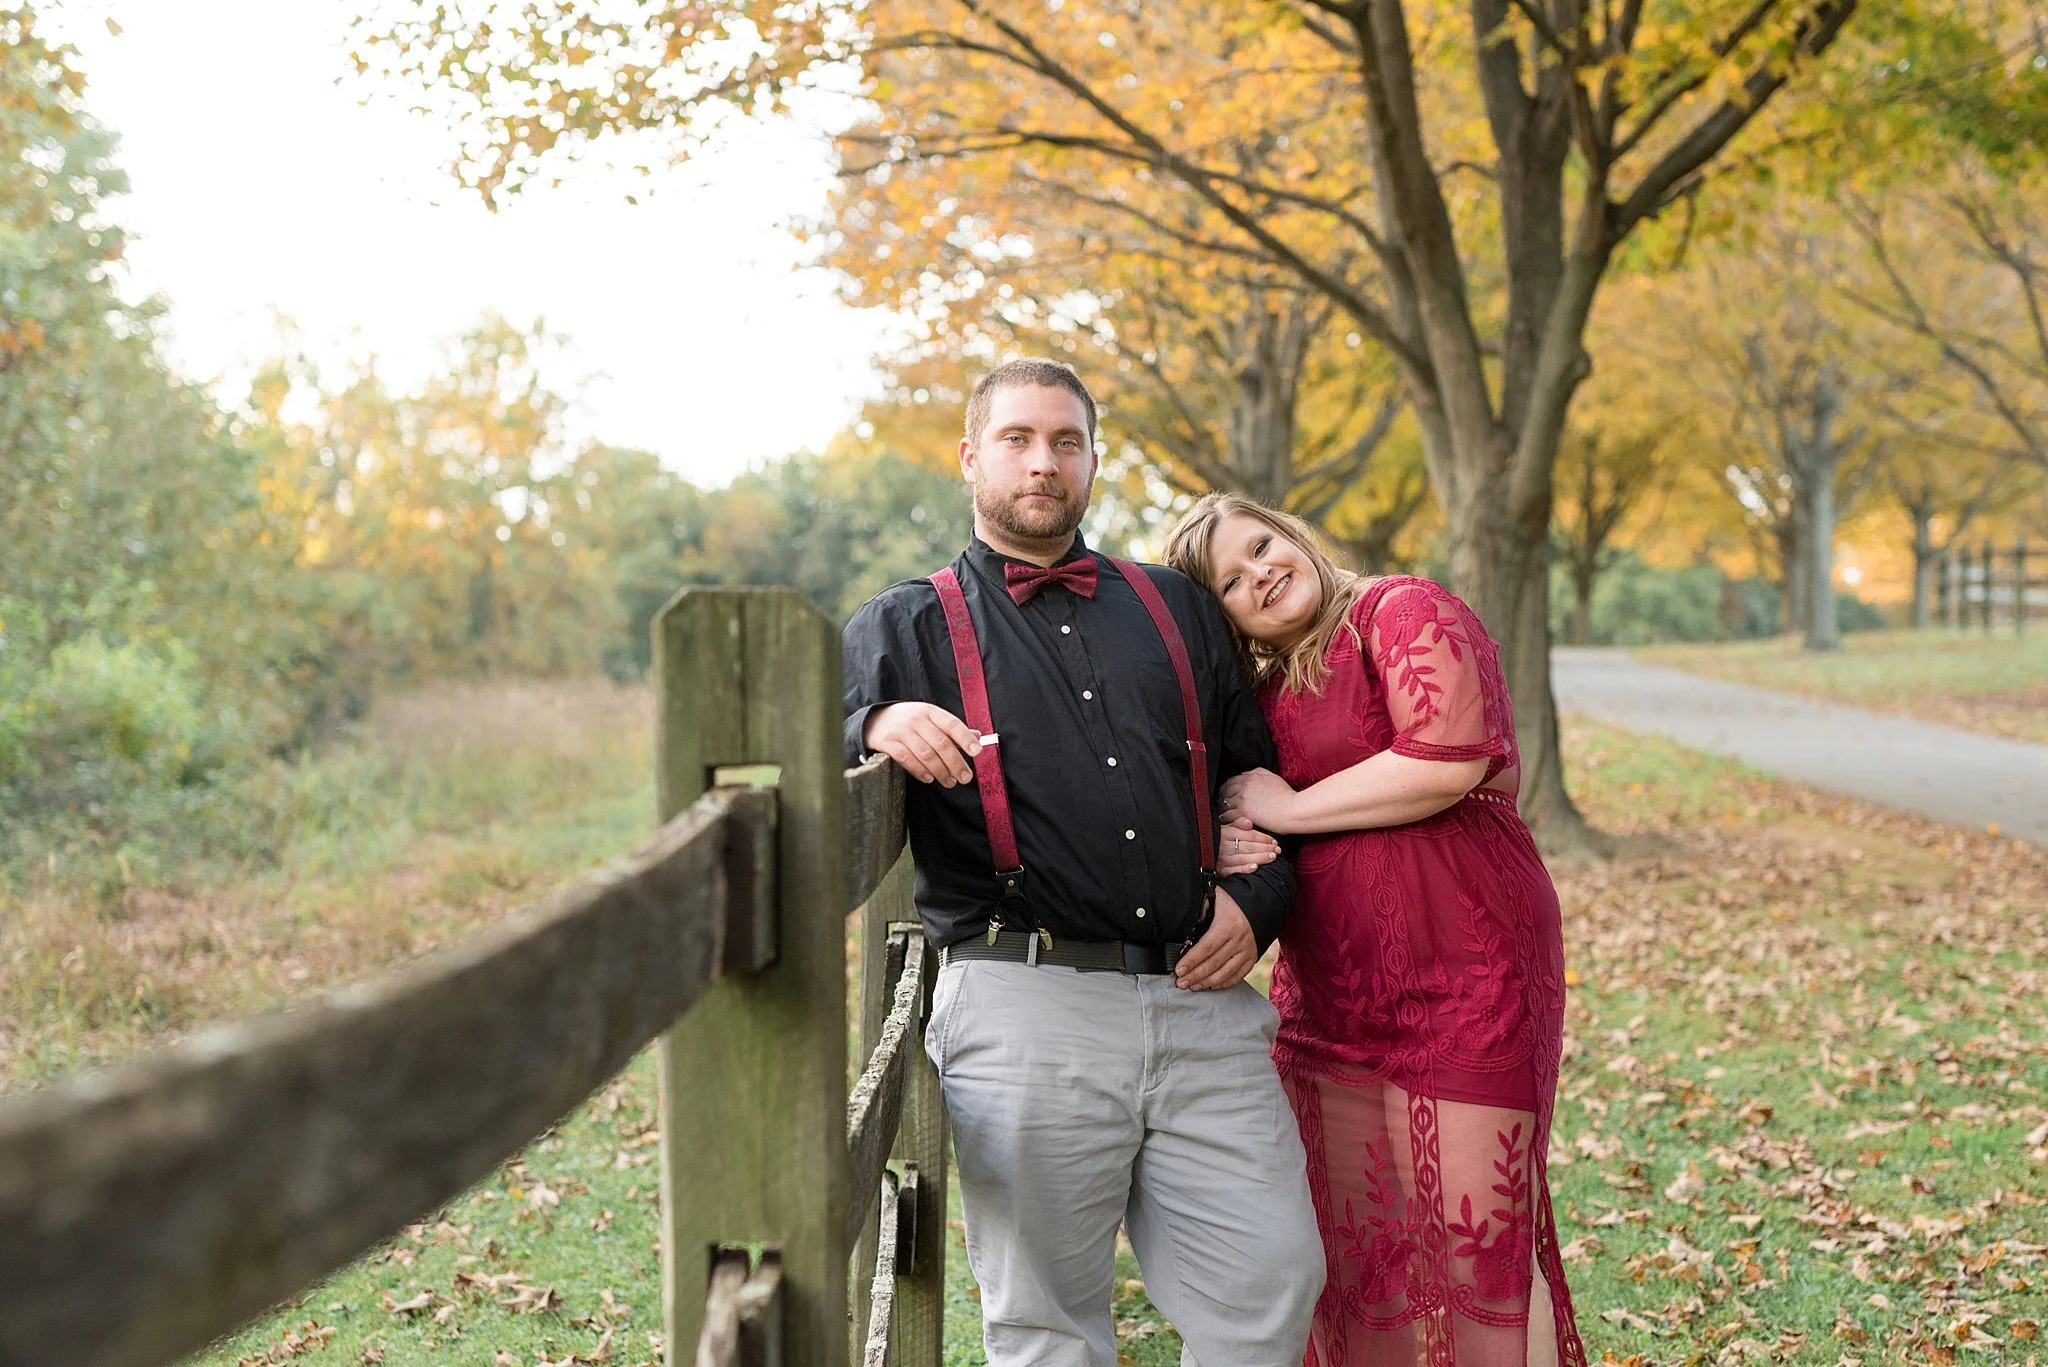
[1143, 959]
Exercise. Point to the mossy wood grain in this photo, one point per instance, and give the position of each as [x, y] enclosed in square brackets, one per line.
[753, 1083]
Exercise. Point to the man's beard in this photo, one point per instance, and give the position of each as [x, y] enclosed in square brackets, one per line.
[1030, 521]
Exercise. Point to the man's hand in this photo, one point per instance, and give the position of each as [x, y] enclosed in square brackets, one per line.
[931, 744]
[1224, 954]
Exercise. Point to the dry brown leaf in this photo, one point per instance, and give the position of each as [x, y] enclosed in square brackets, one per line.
[1688, 1185]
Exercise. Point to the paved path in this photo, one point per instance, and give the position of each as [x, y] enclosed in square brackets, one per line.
[1951, 775]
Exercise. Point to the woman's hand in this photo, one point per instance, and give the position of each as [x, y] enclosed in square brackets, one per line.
[1260, 797]
[1244, 848]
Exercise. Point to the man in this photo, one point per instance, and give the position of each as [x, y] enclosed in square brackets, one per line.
[1102, 1058]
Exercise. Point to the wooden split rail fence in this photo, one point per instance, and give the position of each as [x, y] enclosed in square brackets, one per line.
[147, 1209]
[1996, 584]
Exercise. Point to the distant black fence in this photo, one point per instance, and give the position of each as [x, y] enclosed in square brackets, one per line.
[1994, 586]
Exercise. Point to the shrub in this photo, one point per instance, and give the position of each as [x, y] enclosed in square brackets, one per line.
[1636, 603]
[125, 710]
[108, 754]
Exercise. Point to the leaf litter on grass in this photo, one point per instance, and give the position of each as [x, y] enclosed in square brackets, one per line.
[1804, 1061]
[1803, 1116]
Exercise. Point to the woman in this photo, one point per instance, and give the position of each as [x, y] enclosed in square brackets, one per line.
[1421, 978]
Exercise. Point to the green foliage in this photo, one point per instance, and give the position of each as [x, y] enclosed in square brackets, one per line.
[1636, 603]
[135, 708]
[1926, 80]
[839, 528]
[108, 749]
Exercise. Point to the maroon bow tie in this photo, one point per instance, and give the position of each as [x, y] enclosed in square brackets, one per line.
[1024, 581]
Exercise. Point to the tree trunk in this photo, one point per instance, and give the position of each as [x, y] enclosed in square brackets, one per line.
[1795, 566]
[1582, 607]
[1560, 828]
[1824, 618]
[1262, 415]
[1925, 563]
[1500, 565]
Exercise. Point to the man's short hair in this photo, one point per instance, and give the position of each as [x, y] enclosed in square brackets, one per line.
[1029, 370]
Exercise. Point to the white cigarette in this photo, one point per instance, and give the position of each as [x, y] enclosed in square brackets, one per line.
[991, 739]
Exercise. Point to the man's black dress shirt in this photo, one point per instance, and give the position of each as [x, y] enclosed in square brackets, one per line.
[1094, 750]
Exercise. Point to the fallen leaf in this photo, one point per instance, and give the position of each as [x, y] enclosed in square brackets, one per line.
[1688, 1185]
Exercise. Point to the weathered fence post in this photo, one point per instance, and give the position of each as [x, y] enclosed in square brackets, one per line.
[753, 1081]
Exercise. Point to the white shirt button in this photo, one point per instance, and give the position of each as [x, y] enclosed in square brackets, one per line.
[1130, 835]
[1141, 913]
[1088, 695]
[1066, 631]
[1112, 761]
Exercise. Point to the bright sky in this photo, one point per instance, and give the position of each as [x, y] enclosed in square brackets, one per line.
[262, 189]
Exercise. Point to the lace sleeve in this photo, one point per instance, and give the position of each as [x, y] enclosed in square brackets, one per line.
[1428, 648]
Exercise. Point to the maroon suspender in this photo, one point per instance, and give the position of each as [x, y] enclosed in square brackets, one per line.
[988, 765]
[1190, 703]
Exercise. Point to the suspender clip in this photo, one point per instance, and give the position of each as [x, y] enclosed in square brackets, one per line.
[1012, 881]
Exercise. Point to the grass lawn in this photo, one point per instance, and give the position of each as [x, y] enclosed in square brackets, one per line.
[1996, 684]
[1804, 1114]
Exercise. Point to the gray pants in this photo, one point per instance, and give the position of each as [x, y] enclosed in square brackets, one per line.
[1083, 1100]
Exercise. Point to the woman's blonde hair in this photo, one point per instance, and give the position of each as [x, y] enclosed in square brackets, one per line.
[1190, 548]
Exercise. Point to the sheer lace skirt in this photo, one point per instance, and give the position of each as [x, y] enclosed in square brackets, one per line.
[1437, 1230]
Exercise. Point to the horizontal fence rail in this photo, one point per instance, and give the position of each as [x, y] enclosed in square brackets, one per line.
[874, 826]
[146, 1210]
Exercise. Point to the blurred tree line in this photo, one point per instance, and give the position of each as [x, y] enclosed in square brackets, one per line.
[1623, 329]
[190, 594]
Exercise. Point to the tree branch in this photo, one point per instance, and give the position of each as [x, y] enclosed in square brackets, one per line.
[1369, 314]
[1719, 48]
[1715, 129]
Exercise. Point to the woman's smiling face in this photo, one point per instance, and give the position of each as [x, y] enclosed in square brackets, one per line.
[1267, 586]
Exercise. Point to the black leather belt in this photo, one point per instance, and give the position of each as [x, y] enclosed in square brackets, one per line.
[1090, 956]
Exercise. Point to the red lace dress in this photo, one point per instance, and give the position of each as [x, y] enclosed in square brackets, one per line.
[1421, 996]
